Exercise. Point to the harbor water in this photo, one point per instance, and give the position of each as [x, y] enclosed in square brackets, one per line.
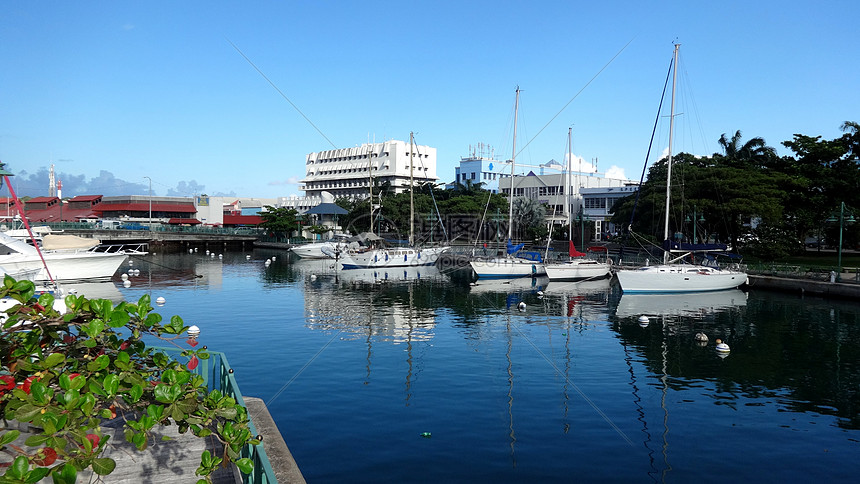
[418, 376]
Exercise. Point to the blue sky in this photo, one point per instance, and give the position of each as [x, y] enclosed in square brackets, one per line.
[112, 92]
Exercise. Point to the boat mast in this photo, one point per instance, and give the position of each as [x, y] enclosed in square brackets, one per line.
[411, 192]
[567, 187]
[513, 170]
[671, 132]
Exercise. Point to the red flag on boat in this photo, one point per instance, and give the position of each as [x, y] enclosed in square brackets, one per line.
[571, 250]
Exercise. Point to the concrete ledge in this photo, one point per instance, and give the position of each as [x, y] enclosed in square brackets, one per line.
[805, 287]
[285, 467]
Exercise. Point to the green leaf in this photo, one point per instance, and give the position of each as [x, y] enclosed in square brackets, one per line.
[36, 440]
[135, 393]
[9, 436]
[111, 384]
[118, 318]
[99, 363]
[53, 360]
[39, 392]
[67, 475]
[245, 465]
[26, 412]
[167, 393]
[95, 328]
[103, 466]
[139, 440]
[36, 474]
[19, 468]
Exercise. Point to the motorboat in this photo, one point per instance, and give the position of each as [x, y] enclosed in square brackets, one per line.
[62, 264]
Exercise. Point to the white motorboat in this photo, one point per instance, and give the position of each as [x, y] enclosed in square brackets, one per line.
[17, 256]
[391, 257]
[671, 276]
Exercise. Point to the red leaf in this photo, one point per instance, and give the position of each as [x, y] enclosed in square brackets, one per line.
[45, 457]
[192, 342]
[8, 382]
[192, 363]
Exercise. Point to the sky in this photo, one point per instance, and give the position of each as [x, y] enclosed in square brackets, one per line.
[113, 92]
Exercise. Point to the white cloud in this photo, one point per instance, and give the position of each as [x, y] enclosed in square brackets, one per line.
[616, 173]
[578, 163]
[293, 180]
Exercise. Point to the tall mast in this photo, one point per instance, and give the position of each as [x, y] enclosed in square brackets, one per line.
[567, 187]
[671, 133]
[513, 170]
[411, 192]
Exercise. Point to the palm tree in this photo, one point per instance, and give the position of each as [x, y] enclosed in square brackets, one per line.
[754, 152]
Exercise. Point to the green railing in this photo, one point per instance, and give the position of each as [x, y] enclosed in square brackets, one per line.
[218, 375]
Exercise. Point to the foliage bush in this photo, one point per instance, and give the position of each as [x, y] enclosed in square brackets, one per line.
[64, 374]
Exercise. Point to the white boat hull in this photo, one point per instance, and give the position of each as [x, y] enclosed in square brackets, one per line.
[506, 268]
[315, 250]
[385, 258]
[678, 278]
[66, 266]
[577, 269]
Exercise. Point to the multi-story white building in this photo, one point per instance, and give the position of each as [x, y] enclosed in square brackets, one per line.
[347, 172]
[593, 192]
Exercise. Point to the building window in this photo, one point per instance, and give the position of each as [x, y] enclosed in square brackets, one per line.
[595, 203]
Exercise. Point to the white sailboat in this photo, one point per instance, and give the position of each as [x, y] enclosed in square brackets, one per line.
[578, 266]
[383, 258]
[509, 266]
[672, 276]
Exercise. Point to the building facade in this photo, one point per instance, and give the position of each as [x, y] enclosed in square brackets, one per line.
[347, 172]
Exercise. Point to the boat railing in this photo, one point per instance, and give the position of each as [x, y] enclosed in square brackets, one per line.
[131, 249]
[218, 375]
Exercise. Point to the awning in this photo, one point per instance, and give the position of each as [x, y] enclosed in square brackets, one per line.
[183, 221]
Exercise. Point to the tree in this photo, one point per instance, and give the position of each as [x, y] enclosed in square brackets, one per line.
[529, 215]
[281, 220]
[64, 373]
[754, 152]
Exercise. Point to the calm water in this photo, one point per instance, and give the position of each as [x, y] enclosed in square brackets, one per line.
[355, 368]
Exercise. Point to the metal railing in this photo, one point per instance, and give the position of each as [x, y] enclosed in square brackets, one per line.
[218, 375]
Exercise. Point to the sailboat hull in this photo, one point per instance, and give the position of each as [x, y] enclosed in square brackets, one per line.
[678, 278]
[506, 268]
[577, 269]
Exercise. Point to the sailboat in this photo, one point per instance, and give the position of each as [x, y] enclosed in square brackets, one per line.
[672, 276]
[410, 256]
[578, 266]
[510, 266]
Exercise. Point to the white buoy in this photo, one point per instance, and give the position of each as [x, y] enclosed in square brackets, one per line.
[190, 251]
[273, 258]
[160, 301]
[722, 347]
[268, 262]
[521, 306]
[137, 272]
[643, 321]
[248, 256]
[195, 249]
[220, 256]
[124, 276]
[130, 262]
[313, 277]
[193, 331]
[540, 293]
[126, 283]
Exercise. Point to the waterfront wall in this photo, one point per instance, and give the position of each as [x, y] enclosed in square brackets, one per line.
[804, 287]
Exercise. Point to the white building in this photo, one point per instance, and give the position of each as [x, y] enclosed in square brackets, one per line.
[481, 167]
[347, 172]
[592, 191]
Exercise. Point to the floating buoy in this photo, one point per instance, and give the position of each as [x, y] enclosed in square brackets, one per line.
[126, 283]
[273, 258]
[268, 262]
[207, 251]
[130, 262]
[190, 251]
[195, 249]
[124, 277]
[193, 331]
[313, 277]
[220, 256]
[137, 272]
[160, 301]
[701, 337]
[722, 347]
[521, 306]
[540, 293]
[248, 257]
[643, 321]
